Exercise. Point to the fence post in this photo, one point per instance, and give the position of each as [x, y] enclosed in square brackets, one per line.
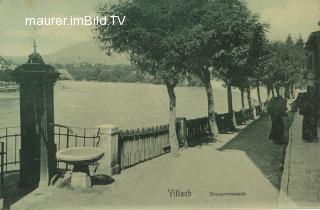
[254, 110]
[181, 123]
[109, 140]
[2, 164]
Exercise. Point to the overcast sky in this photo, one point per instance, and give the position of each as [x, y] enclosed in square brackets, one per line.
[284, 16]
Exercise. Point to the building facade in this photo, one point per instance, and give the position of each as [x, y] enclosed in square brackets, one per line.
[313, 71]
[4, 64]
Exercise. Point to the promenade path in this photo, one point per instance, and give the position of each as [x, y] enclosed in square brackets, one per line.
[300, 186]
[202, 169]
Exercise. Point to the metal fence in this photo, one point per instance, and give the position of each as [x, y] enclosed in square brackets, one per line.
[68, 137]
[65, 137]
[10, 145]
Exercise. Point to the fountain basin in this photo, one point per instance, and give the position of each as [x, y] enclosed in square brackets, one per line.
[80, 155]
[80, 158]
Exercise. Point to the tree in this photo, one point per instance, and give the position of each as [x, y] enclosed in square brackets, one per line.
[300, 61]
[268, 68]
[291, 54]
[198, 46]
[284, 65]
[256, 56]
[234, 25]
[152, 39]
[6, 76]
[294, 63]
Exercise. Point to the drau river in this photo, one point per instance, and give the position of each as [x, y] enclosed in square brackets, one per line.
[128, 105]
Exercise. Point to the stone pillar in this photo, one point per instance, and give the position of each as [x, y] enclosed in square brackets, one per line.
[109, 137]
[37, 154]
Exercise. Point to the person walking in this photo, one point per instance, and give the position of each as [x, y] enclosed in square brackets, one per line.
[308, 108]
[277, 108]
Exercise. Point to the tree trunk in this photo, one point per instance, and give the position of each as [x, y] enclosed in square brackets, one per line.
[259, 96]
[172, 120]
[250, 104]
[230, 106]
[249, 99]
[272, 91]
[213, 128]
[268, 93]
[229, 97]
[205, 79]
[278, 91]
[287, 92]
[242, 97]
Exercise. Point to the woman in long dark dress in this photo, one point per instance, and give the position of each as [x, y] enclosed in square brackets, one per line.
[277, 108]
[307, 107]
[310, 117]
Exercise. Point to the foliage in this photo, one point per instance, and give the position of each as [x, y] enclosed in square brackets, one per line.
[151, 49]
[122, 73]
[234, 32]
[253, 71]
[152, 36]
[285, 63]
[6, 76]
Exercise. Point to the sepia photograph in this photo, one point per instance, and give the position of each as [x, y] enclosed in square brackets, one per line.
[159, 104]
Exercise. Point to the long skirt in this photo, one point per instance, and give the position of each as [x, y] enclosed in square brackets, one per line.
[277, 130]
[309, 128]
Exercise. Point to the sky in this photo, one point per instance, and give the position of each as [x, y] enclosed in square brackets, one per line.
[284, 16]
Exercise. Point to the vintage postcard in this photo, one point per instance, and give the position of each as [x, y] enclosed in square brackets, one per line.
[159, 104]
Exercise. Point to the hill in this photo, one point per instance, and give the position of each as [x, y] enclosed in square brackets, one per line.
[87, 51]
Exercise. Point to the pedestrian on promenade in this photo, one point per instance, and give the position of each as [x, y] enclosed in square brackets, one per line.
[277, 108]
[306, 103]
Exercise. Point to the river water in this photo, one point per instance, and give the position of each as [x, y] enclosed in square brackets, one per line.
[128, 105]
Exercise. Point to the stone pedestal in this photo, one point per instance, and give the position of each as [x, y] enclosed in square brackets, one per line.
[80, 180]
[109, 164]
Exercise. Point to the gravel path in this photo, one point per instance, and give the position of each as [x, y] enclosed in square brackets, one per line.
[300, 187]
[211, 178]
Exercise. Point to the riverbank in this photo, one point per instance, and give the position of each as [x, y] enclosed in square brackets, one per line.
[231, 176]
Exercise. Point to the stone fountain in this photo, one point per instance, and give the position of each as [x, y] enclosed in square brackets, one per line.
[80, 158]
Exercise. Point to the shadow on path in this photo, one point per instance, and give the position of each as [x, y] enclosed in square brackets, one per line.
[101, 179]
[10, 192]
[254, 141]
[199, 141]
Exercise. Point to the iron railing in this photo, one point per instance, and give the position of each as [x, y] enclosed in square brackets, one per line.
[68, 137]
[10, 140]
[65, 137]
